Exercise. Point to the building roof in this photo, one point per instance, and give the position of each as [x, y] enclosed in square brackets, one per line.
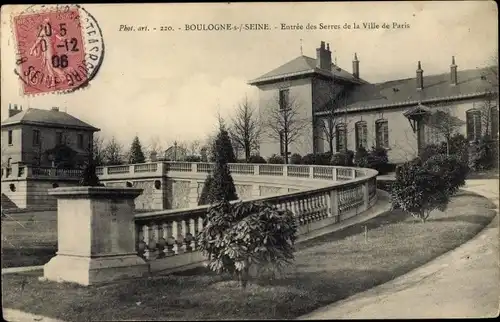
[54, 118]
[304, 65]
[471, 83]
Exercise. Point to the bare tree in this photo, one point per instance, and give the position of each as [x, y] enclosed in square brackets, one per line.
[194, 147]
[489, 106]
[98, 150]
[245, 129]
[154, 149]
[284, 122]
[444, 125]
[334, 114]
[113, 152]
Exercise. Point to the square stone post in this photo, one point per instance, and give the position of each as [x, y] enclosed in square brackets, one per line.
[334, 204]
[96, 236]
[193, 193]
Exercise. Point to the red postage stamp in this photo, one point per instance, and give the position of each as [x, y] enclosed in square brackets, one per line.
[59, 48]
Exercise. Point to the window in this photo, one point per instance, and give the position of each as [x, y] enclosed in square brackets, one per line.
[473, 125]
[9, 161]
[80, 141]
[10, 137]
[36, 137]
[494, 123]
[341, 137]
[282, 143]
[284, 99]
[361, 135]
[59, 138]
[382, 134]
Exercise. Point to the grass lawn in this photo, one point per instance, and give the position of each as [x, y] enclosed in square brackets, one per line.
[28, 239]
[326, 269]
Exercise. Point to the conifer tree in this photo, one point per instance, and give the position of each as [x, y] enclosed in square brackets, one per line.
[136, 155]
[222, 187]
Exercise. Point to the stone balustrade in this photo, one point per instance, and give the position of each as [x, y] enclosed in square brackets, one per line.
[166, 239]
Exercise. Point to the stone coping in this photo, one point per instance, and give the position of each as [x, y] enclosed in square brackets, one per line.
[95, 192]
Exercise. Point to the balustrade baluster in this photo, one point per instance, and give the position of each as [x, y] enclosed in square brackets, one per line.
[162, 242]
[192, 228]
[183, 235]
[175, 236]
[145, 233]
[141, 245]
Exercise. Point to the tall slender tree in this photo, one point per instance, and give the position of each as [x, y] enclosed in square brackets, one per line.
[220, 185]
[136, 155]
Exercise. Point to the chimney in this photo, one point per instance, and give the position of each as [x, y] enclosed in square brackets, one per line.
[324, 57]
[420, 77]
[355, 66]
[153, 156]
[453, 70]
[13, 111]
[56, 109]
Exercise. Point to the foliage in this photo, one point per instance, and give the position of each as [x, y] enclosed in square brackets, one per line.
[344, 158]
[377, 159]
[223, 148]
[275, 159]
[309, 159]
[256, 159]
[192, 158]
[361, 157]
[136, 155]
[241, 235]
[483, 154]
[431, 149]
[295, 159]
[317, 158]
[418, 191]
[205, 192]
[450, 169]
[459, 145]
[89, 176]
[63, 156]
[222, 185]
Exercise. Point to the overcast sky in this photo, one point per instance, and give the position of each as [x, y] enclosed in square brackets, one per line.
[172, 84]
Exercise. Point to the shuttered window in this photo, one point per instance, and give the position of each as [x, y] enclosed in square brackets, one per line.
[473, 125]
[382, 134]
[494, 123]
[361, 135]
[341, 137]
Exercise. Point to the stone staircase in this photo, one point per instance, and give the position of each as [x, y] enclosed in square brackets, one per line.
[7, 204]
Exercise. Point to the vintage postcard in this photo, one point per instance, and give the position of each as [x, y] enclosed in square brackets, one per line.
[215, 161]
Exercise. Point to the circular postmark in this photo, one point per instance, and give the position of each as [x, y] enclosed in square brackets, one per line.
[59, 48]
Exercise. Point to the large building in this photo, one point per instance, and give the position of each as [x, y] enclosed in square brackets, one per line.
[45, 138]
[318, 106]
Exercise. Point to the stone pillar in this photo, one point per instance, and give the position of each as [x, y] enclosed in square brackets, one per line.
[96, 236]
[334, 204]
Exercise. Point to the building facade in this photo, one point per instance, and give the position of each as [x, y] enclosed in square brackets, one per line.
[310, 105]
[45, 138]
